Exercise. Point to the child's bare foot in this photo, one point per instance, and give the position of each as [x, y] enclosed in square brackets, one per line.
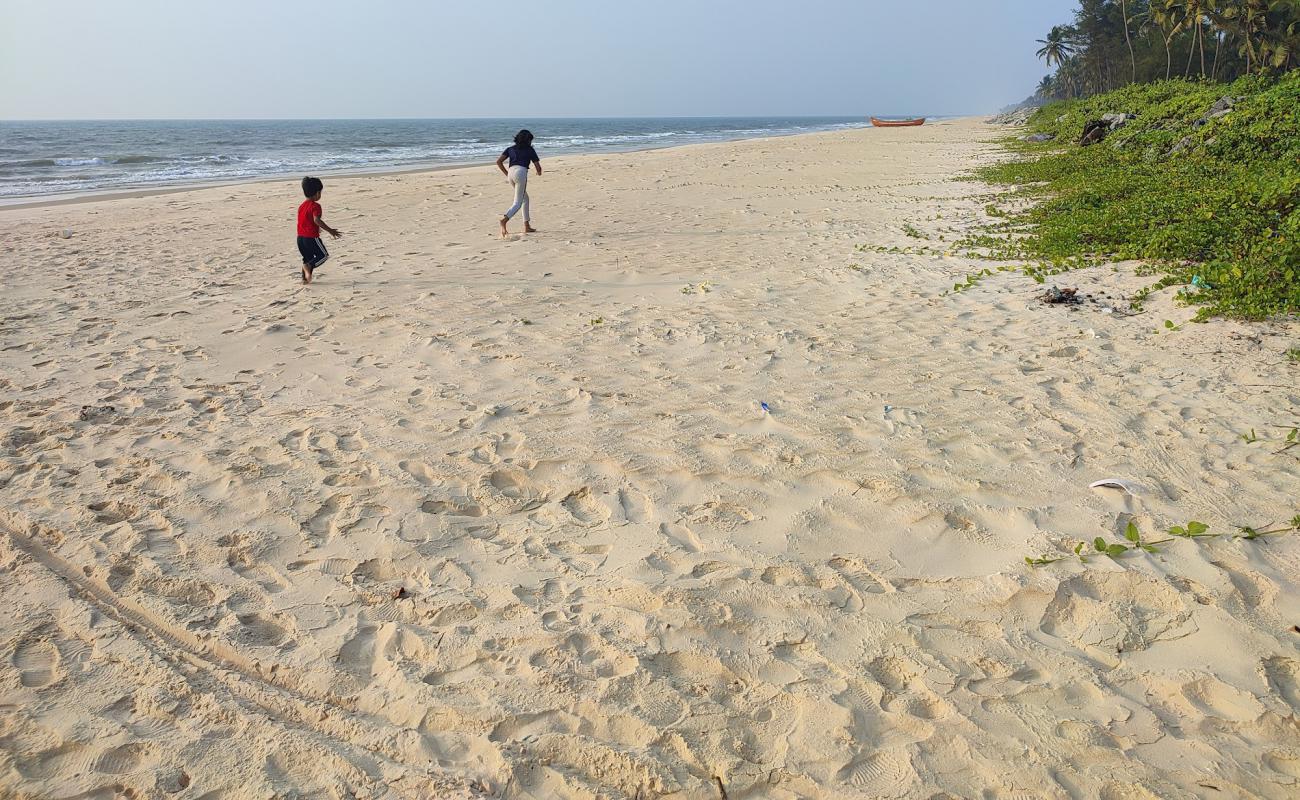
[504, 232]
[306, 274]
[529, 228]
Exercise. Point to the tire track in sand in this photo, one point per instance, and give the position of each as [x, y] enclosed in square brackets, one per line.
[245, 680]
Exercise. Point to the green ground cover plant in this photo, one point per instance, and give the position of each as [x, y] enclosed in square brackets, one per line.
[1208, 203]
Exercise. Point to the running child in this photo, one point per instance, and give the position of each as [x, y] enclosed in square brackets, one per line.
[520, 156]
[309, 227]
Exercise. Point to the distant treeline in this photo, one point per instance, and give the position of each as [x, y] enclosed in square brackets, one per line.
[1113, 43]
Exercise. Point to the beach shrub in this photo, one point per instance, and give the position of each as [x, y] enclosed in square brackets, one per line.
[1212, 202]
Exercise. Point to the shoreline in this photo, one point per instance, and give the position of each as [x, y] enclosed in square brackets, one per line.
[77, 198]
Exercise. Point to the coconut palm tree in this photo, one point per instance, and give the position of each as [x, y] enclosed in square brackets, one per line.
[1057, 47]
[1132, 59]
[1248, 19]
[1197, 14]
[1166, 14]
[1280, 39]
[1046, 87]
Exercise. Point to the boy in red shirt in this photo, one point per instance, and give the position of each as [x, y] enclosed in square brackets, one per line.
[309, 227]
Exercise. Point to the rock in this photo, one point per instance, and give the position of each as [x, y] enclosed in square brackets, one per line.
[1221, 108]
[1038, 137]
[1183, 144]
[1116, 121]
[1093, 131]
[1017, 117]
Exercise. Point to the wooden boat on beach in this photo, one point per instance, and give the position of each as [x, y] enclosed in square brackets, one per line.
[897, 123]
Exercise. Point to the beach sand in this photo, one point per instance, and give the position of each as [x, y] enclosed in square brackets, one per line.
[507, 519]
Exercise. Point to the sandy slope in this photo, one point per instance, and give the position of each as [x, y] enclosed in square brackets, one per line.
[482, 518]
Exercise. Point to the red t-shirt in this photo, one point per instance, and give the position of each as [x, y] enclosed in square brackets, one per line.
[307, 214]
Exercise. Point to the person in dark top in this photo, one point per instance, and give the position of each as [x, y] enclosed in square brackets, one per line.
[519, 156]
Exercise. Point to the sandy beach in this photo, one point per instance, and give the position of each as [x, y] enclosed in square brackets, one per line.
[698, 492]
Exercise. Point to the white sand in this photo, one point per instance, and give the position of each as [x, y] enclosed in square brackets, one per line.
[618, 577]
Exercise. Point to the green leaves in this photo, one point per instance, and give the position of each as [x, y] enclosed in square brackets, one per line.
[1112, 550]
[1042, 562]
[1228, 211]
[1192, 530]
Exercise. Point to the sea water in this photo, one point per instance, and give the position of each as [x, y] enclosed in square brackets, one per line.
[50, 158]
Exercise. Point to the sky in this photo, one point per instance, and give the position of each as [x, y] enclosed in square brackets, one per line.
[253, 59]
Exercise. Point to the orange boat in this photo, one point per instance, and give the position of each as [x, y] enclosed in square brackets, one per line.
[897, 123]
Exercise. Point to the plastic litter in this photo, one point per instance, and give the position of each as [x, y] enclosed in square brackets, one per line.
[766, 410]
[1116, 483]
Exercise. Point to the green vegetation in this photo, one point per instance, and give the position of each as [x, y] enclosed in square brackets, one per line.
[1289, 442]
[1210, 202]
[1112, 43]
[1135, 543]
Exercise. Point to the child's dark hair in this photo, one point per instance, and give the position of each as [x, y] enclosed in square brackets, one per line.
[311, 186]
[524, 137]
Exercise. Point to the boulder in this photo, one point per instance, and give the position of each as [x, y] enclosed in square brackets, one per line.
[1183, 144]
[1116, 121]
[1018, 117]
[1221, 108]
[1093, 131]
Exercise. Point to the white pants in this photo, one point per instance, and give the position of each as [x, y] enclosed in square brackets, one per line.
[519, 180]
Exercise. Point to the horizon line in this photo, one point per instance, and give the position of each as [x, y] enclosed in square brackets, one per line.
[458, 119]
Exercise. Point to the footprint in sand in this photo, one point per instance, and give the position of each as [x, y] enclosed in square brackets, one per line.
[259, 631]
[124, 760]
[719, 514]
[111, 512]
[887, 773]
[1116, 612]
[37, 662]
[584, 508]
[635, 506]
[1283, 676]
[509, 491]
[451, 508]
[159, 541]
[422, 473]
[328, 519]
[1216, 699]
[586, 656]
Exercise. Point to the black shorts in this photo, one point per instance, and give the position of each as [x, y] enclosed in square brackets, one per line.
[313, 251]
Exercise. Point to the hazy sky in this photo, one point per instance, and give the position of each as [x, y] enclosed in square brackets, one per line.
[94, 59]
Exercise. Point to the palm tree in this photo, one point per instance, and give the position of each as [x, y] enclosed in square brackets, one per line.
[1132, 59]
[1196, 14]
[1046, 87]
[1164, 13]
[1247, 18]
[1279, 39]
[1057, 47]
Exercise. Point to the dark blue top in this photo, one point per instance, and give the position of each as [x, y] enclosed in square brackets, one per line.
[521, 155]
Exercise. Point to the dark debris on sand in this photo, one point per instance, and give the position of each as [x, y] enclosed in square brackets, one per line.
[1055, 296]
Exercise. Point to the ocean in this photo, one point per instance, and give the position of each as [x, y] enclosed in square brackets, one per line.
[39, 159]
